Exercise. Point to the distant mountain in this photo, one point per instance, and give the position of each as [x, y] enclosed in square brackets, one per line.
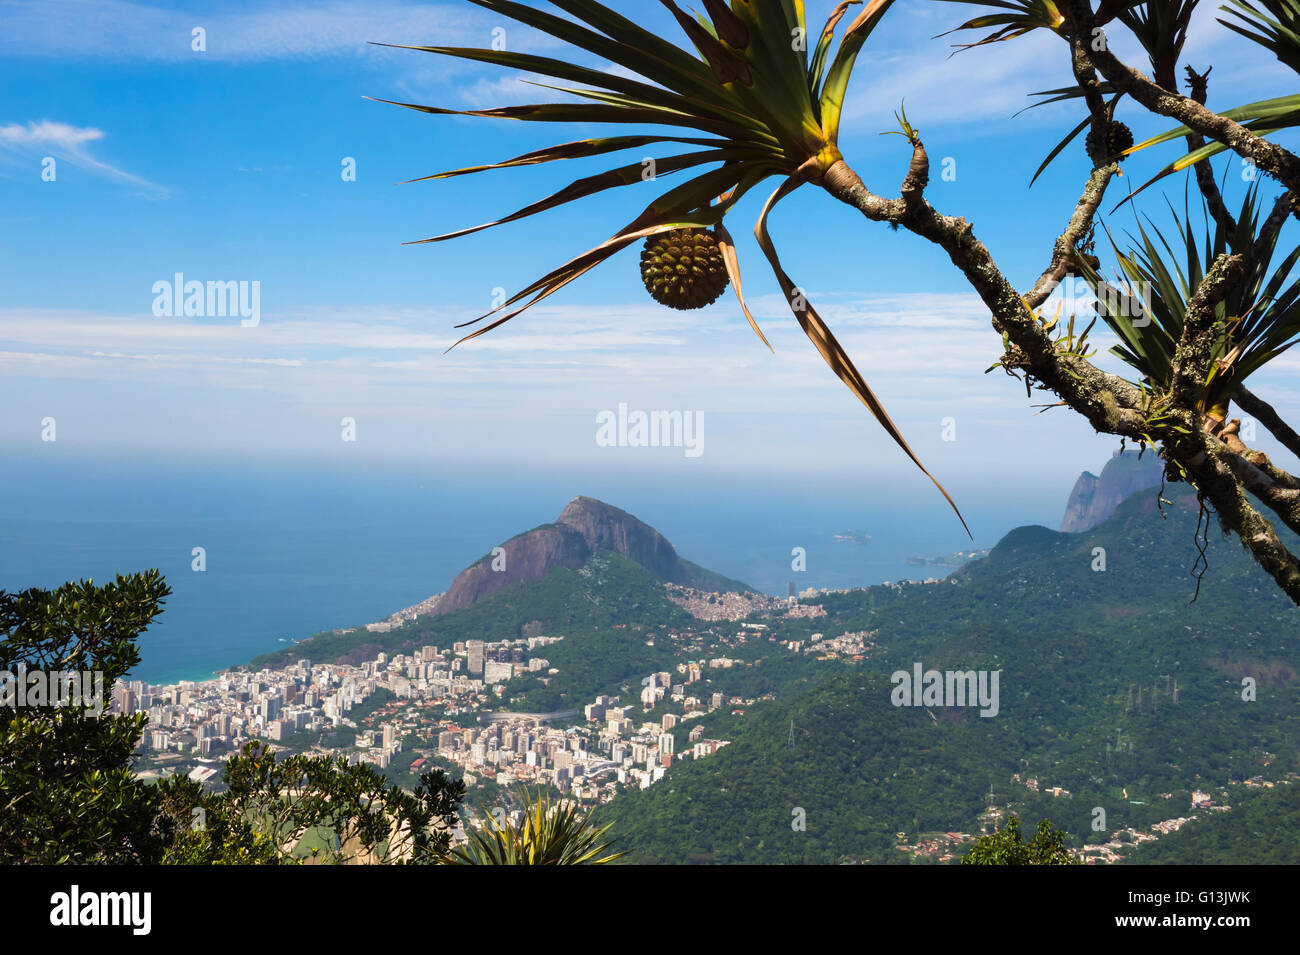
[1094, 499]
[584, 527]
[596, 575]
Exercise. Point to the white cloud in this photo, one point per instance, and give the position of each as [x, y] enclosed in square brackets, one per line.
[46, 134]
[67, 142]
[532, 387]
[125, 31]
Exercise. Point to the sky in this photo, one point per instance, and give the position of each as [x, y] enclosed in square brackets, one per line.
[227, 163]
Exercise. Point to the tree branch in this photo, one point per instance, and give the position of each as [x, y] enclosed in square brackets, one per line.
[1265, 414]
[1094, 190]
[1111, 404]
[1204, 171]
[1194, 353]
[1217, 480]
[1282, 207]
[1268, 156]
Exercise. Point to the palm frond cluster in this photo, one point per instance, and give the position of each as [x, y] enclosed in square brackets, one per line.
[548, 834]
[754, 96]
[1259, 318]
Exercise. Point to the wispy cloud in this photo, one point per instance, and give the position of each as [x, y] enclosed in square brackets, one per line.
[533, 387]
[121, 30]
[67, 142]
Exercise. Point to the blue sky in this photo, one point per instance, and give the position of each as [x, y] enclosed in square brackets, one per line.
[225, 165]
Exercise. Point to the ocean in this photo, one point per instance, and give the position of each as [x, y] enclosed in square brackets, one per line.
[291, 551]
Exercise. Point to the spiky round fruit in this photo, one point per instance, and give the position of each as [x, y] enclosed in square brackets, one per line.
[683, 269]
[1118, 138]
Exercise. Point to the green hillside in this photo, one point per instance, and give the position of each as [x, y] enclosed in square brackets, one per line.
[1260, 830]
[1075, 646]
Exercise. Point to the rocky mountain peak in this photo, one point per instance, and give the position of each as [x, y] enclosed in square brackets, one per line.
[584, 527]
[1094, 499]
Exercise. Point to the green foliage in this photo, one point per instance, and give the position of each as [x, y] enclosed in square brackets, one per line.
[1277, 29]
[548, 835]
[1024, 17]
[306, 808]
[1007, 847]
[67, 794]
[1260, 315]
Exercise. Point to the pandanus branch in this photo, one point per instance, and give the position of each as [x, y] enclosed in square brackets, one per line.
[1109, 403]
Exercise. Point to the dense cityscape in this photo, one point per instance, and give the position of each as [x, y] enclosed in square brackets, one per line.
[443, 702]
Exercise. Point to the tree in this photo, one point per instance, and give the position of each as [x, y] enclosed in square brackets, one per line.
[767, 106]
[311, 808]
[67, 794]
[1007, 847]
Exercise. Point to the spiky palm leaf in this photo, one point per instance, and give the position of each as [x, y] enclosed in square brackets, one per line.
[1161, 28]
[766, 108]
[1280, 35]
[1022, 16]
[548, 835]
[1261, 318]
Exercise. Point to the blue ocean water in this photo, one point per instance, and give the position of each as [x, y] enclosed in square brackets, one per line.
[291, 551]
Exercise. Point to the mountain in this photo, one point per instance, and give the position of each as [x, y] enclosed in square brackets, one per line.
[609, 611]
[1094, 499]
[584, 527]
[1116, 692]
[596, 576]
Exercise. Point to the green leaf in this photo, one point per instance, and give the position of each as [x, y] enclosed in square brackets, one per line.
[591, 185]
[841, 69]
[578, 149]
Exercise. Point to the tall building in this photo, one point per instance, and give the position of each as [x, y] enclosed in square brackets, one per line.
[666, 744]
[494, 672]
[474, 648]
